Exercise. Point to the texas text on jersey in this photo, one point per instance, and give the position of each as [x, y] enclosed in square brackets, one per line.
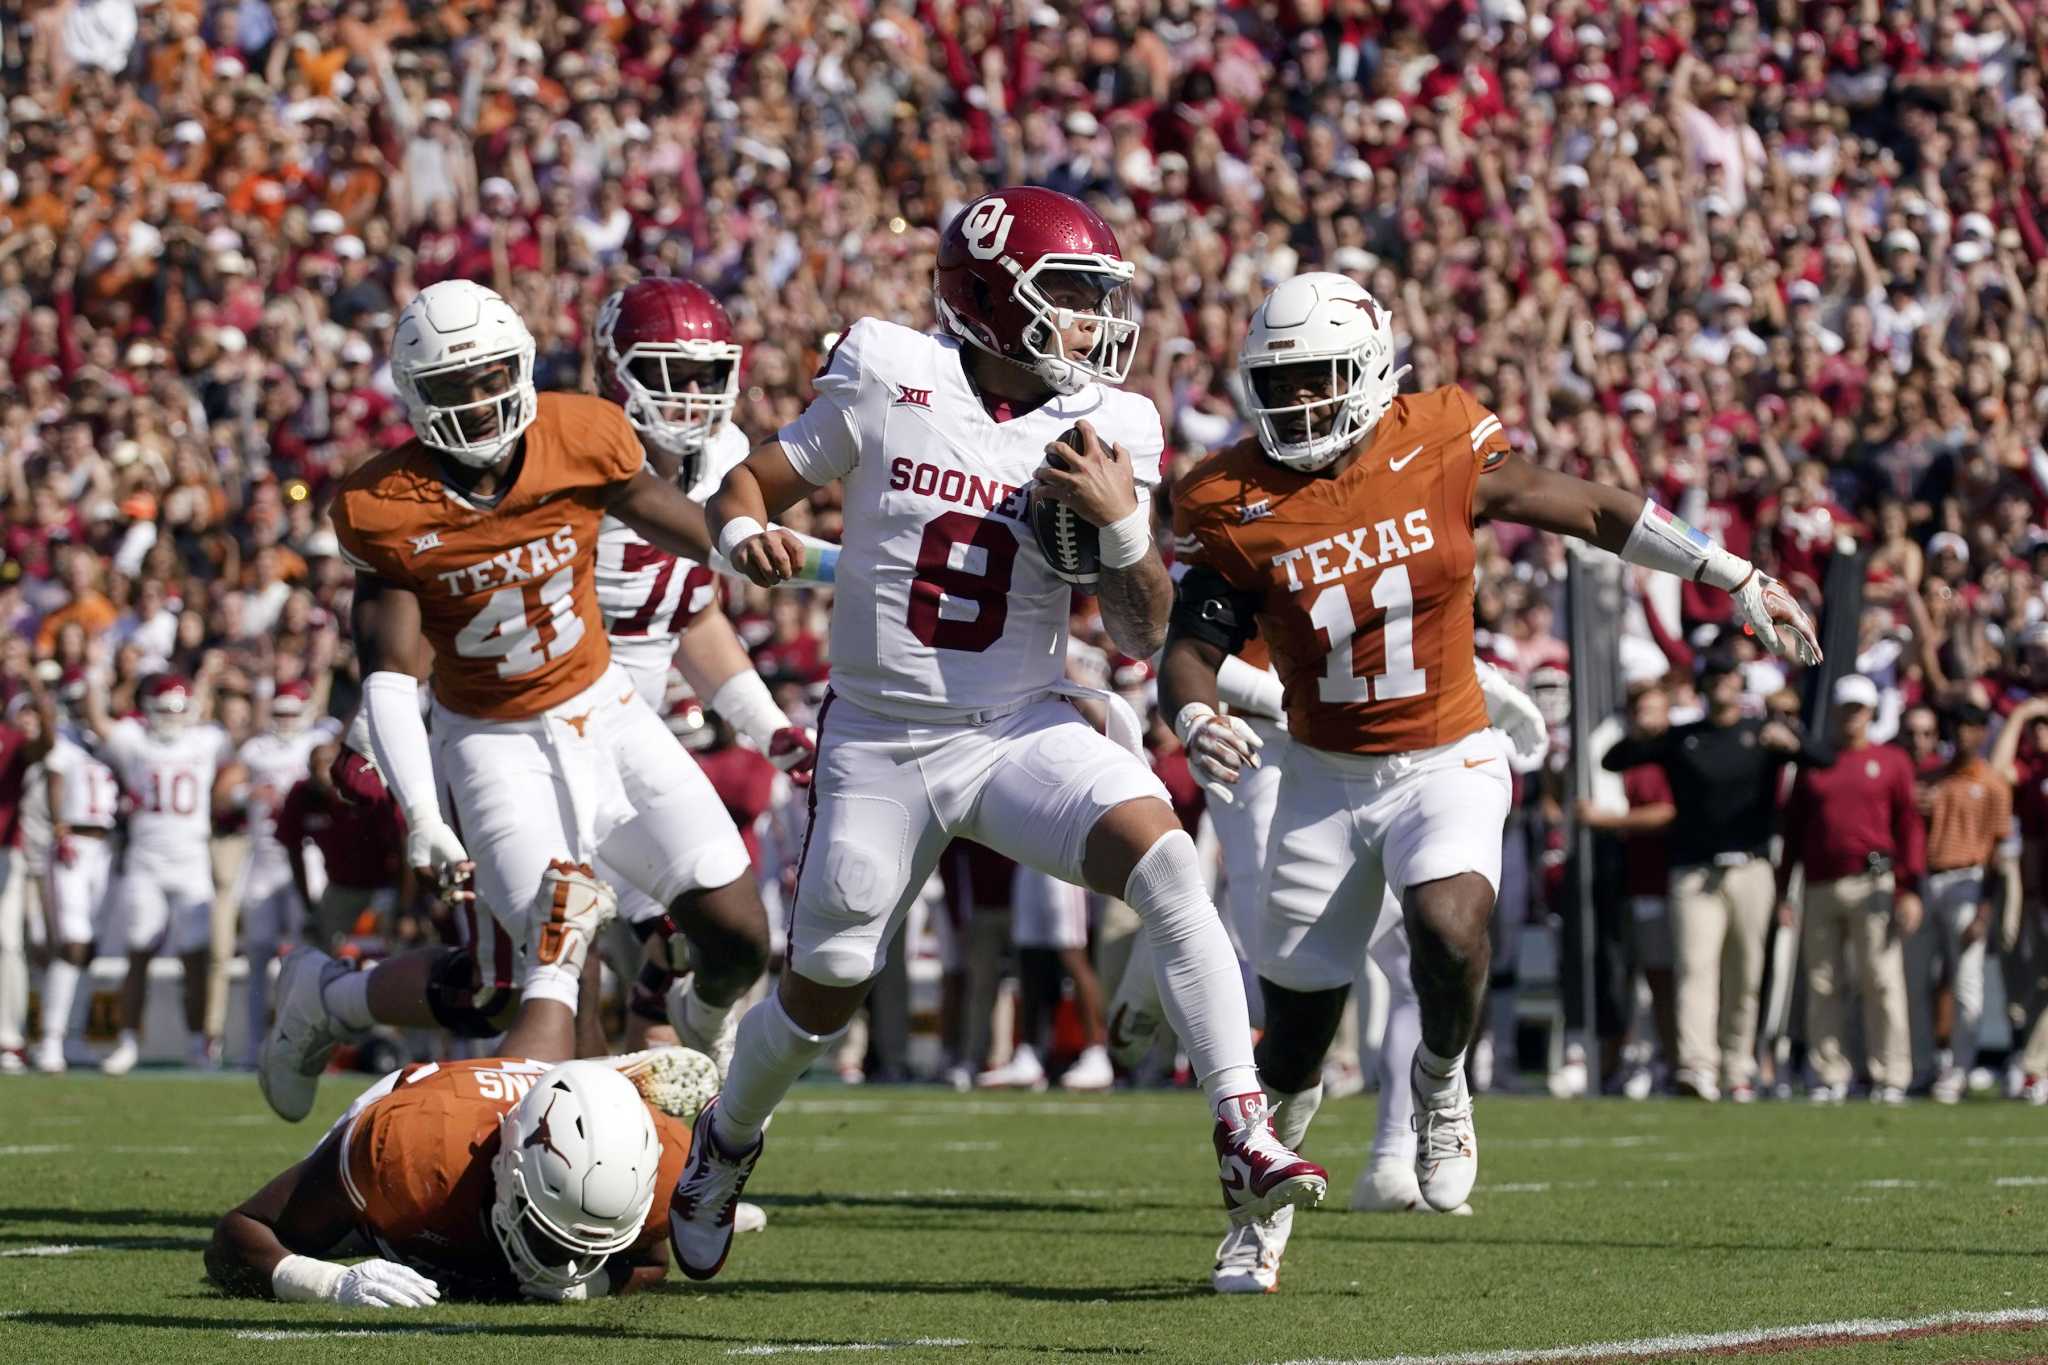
[1360, 584]
[962, 612]
[505, 588]
[416, 1165]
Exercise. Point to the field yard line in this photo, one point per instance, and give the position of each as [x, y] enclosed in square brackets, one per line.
[1647, 1347]
[35, 1149]
[47, 1249]
[2010, 1180]
[804, 1348]
[323, 1333]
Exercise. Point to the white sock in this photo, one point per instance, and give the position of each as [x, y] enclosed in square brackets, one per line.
[127, 1037]
[1199, 983]
[1394, 1138]
[705, 1019]
[772, 1054]
[1434, 1075]
[1292, 1113]
[60, 988]
[347, 999]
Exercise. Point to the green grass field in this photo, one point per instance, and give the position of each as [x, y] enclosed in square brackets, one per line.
[915, 1225]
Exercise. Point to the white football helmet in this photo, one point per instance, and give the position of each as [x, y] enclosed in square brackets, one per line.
[1318, 319]
[575, 1174]
[462, 361]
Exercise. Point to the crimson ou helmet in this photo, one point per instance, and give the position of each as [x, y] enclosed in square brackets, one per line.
[690, 723]
[667, 355]
[166, 698]
[1020, 267]
[290, 703]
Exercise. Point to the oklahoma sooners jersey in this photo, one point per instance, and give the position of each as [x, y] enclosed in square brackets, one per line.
[506, 589]
[959, 611]
[416, 1164]
[1361, 584]
[91, 795]
[277, 763]
[170, 779]
[649, 597]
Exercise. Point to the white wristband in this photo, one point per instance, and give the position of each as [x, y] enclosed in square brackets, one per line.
[735, 533]
[1126, 541]
[1190, 716]
[302, 1279]
[744, 701]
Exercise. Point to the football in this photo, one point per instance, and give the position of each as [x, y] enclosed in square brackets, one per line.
[1072, 545]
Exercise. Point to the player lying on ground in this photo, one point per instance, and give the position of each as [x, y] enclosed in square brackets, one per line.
[949, 714]
[1343, 535]
[524, 1175]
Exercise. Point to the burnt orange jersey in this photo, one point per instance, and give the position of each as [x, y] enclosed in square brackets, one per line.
[416, 1164]
[507, 592]
[1362, 582]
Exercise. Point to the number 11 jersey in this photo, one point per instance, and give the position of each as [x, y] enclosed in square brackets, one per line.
[944, 604]
[1361, 584]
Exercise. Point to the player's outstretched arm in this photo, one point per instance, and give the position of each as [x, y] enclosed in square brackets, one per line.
[1097, 483]
[715, 664]
[389, 646]
[1643, 533]
[1210, 622]
[657, 509]
[759, 487]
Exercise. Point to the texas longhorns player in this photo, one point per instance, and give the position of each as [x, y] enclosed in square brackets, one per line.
[478, 538]
[523, 1175]
[665, 349]
[949, 714]
[1343, 534]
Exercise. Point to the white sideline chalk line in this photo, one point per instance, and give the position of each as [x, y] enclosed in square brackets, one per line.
[1705, 1341]
[46, 1249]
[323, 1333]
[2012, 1180]
[807, 1348]
[35, 1148]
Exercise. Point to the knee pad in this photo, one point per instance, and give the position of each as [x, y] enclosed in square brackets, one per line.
[458, 1001]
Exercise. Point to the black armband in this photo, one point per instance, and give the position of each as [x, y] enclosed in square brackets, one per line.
[1207, 608]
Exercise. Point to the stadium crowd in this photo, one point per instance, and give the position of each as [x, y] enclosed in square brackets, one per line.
[1777, 263]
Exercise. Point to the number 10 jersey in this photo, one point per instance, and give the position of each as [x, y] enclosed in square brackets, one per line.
[944, 605]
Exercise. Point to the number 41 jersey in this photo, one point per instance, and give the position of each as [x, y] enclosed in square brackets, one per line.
[1361, 584]
[944, 604]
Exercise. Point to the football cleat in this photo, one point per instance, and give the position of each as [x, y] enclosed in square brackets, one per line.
[1390, 1187]
[1950, 1086]
[1248, 1260]
[685, 1016]
[679, 1081]
[1022, 1072]
[570, 910]
[47, 1056]
[127, 1052]
[1133, 1033]
[1090, 1071]
[1260, 1175]
[1447, 1147]
[701, 1212]
[302, 1036]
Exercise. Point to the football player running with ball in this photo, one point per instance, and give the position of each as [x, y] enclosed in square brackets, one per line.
[1343, 534]
[949, 717]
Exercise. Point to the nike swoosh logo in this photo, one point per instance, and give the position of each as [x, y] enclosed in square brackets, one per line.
[1398, 465]
[1475, 762]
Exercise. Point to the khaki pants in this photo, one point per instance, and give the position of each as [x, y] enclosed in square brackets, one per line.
[229, 852]
[1849, 944]
[1720, 919]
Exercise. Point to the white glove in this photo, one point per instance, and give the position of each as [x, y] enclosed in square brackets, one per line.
[1514, 713]
[1219, 748]
[431, 846]
[1780, 624]
[367, 1284]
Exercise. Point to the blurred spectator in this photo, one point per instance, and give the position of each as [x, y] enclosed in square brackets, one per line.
[1854, 827]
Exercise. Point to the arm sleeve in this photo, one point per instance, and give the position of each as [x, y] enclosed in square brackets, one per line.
[399, 737]
[824, 443]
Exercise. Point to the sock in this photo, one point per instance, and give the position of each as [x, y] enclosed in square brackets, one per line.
[1393, 1140]
[1434, 1075]
[1199, 983]
[771, 1055]
[127, 1037]
[347, 999]
[1292, 1113]
[702, 1018]
[60, 988]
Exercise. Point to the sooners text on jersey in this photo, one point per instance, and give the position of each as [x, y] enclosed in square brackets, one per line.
[960, 612]
[506, 591]
[1364, 580]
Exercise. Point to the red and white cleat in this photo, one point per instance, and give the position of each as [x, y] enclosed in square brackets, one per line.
[1261, 1175]
[701, 1211]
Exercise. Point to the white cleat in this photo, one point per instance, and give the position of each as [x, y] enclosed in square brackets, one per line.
[11, 1063]
[1091, 1071]
[1390, 1187]
[123, 1058]
[302, 1036]
[1570, 1079]
[1248, 1260]
[1950, 1086]
[1133, 1033]
[47, 1057]
[718, 1042]
[1447, 1147]
[1022, 1072]
[748, 1217]
[679, 1081]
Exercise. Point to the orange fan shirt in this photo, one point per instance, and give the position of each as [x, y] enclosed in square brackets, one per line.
[1363, 580]
[416, 1164]
[507, 592]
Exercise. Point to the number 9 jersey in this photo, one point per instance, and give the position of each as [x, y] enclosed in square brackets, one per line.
[959, 612]
[1361, 584]
[506, 591]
